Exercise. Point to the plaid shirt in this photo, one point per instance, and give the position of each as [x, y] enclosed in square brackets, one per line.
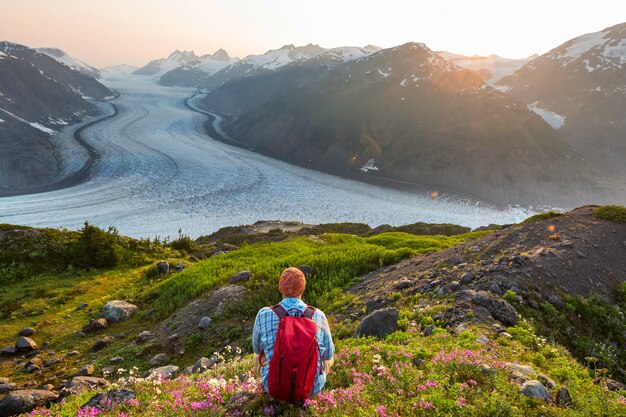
[266, 328]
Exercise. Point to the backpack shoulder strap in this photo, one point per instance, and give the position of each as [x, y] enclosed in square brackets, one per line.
[308, 312]
[280, 311]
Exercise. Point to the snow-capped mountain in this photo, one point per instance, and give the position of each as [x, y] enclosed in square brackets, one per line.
[491, 68]
[405, 114]
[75, 64]
[580, 89]
[188, 60]
[38, 96]
[194, 71]
[255, 64]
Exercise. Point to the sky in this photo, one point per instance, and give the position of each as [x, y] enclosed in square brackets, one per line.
[109, 32]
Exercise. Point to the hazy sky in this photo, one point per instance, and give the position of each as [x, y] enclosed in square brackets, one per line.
[105, 32]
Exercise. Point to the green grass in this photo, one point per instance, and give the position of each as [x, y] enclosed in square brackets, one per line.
[543, 216]
[337, 259]
[615, 214]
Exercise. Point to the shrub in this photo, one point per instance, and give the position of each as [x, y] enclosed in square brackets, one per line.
[97, 248]
[510, 296]
[620, 294]
[615, 214]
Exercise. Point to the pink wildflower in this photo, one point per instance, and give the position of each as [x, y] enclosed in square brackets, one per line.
[622, 400]
[461, 402]
[381, 411]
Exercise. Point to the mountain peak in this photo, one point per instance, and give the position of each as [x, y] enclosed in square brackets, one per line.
[221, 55]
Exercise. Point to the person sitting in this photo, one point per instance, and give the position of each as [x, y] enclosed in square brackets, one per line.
[292, 343]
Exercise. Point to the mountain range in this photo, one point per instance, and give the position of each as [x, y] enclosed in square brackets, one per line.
[39, 95]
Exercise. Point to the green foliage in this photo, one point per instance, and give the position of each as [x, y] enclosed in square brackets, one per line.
[615, 214]
[97, 248]
[183, 243]
[511, 297]
[620, 294]
[543, 216]
[12, 272]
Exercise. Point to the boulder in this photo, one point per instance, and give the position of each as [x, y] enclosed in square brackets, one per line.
[242, 276]
[522, 369]
[82, 384]
[86, 370]
[28, 331]
[143, 337]
[179, 267]
[102, 343]
[109, 400]
[82, 306]
[546, 380]
[116, 360]
[6, 387]
[535, 389]
[24, 401]
[118, 310]
[205, 322]
[25, 344]
[563, 398]
[499, 308]
[163, 267]
[402, 284]
[48, 387]
[379, 323]
[428, 330]
[8, 351]
[203, 364]
[96, 325]
[165, 372]
[158, 359]
[466, 278]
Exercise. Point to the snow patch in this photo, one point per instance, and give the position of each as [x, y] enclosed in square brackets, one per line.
[553, 119]
[584, 43]
[384, 74]
[42, 128]
[1, 121]
[502, 88]
[403, 82]
[370, 165]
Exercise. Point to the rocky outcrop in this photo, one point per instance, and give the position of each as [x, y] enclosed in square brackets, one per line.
[110, 400]
[23, 401]
[499, 308]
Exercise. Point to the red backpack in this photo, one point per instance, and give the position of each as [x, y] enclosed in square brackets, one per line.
[296, 353]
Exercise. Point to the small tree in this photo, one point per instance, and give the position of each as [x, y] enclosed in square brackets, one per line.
[97, 248]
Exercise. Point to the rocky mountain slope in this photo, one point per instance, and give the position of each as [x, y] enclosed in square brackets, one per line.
[471, 324]
[406, 115]
[75, 64]
[579, 87]
[38, 96]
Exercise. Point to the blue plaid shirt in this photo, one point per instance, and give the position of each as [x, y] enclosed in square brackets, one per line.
[266, 328]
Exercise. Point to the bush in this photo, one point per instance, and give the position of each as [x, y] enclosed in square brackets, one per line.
[620, 294]
[510, 296]
[615, 214]
[97, 248]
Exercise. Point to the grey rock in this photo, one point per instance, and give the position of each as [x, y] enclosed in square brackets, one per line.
[454, 286]
[523, 369]
[116, 360]
[428, 330]
[110, 400]
[167, 372]
[4, 380]
[242, 276]
[546, 380]
[163, 267]
[82, 384]
[8, 351]
[495, 288]
[466, 278]
[82, 306]
[203, 364]
[86, 370]
[464, 295]
[96, 325]
[499, 308]
[402, 284]
[158, 359]
[32, 368]
[52, 362]
[613, 385]
[506, 335]
[535, 389]
[179, 267]
[443, 291]
[25, 344]
[48, 387]
[24, 401]
[380, 323]
[483, 340]
[118, 310]
[73, 353]
[6, 387]
[193, 259]
[143, 336]
[205, 322]
[28, 331]
[375, 304]
[556, 301]
[173, 337]
[563, 398]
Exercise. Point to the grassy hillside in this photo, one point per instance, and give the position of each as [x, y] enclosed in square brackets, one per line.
[448, 370]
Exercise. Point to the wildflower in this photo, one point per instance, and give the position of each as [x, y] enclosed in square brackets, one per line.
[381, 411]
[377, 358]
[269, 411]
[622, 400]
[461, 402]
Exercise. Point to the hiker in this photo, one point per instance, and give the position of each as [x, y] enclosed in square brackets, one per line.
[292, 343]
